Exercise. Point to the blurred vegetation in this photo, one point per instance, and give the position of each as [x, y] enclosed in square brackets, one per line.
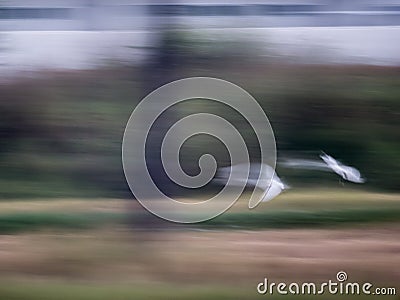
[297, 209]
[31, 221]
[204, 49]
[28, 222]
[61, 132]
[305, 219]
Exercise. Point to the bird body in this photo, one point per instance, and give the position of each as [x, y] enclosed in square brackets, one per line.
[260, 176]
[346, 172]
[329, 164]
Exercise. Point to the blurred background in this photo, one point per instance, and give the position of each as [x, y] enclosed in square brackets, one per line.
[326, 73]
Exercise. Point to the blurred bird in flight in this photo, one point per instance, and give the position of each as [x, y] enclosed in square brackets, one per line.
[264, 177]
[328, 163]
[346, 172]
[260, 176]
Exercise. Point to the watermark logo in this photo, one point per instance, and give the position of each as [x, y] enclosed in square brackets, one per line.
[341, 276]
[339, 287]
[147, 112]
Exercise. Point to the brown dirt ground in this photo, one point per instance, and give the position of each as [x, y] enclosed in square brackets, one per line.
[233, 257]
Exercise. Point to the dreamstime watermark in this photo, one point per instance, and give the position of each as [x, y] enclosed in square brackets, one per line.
[340, 286]
[151, 108]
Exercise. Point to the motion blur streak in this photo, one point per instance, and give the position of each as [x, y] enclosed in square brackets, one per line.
[325, 72]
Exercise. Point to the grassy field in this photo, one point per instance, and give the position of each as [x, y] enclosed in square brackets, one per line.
[87, 249]
[67, 291]
[308, 208]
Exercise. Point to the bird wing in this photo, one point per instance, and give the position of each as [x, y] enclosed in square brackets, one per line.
[274, 190]
[305, 164]
[261, 176]
[329, 160]
[237, 175]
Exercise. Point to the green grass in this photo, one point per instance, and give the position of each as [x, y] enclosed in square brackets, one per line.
[297, 219]
[16, 222]
[297, 209]
[63, 291]
[314, 208]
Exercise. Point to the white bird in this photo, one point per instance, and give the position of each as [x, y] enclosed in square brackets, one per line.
[346, 172]
[328, 163]
[258, 177]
